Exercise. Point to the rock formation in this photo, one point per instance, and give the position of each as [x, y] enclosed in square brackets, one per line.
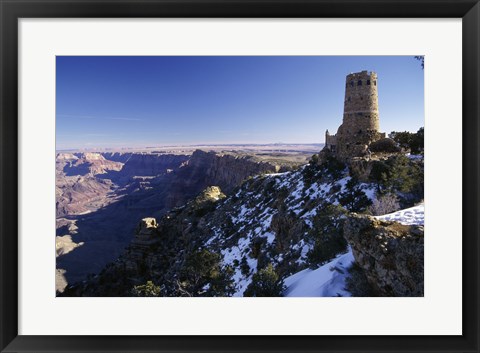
[390, 254]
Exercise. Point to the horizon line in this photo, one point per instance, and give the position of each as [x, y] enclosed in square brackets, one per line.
[197, 144]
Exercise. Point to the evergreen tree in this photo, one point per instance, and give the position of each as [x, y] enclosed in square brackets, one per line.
[265, 283]
[203, 275]
[327, 234]
[353, 198]
[400, 176]
[412, 142]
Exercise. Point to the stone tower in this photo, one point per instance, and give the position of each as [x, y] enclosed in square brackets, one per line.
[361, 123]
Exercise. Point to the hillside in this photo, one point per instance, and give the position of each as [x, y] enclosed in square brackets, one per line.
[268, 234]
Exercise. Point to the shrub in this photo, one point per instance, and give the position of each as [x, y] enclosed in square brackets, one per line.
[265, 283]
[310, 173]
[203, 275]
[410, 141]
[333, 167]
[148, 289]
[399, 174]
[327, 234]
[384, 145]
[405, 175]
[417, 143]
[244, 267]
[384, 204]
[353, 198]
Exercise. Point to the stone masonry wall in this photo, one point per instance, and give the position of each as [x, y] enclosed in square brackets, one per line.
[361, 121]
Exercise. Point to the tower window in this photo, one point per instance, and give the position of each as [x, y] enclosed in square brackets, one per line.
[359, 83]
[368, 82]
[351, 83]
[374, 83]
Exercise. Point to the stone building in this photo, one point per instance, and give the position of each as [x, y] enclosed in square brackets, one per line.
[361, 121]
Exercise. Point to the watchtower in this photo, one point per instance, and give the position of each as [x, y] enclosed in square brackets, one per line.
[361, 121]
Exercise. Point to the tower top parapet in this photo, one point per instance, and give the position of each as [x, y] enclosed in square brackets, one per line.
[363, 73]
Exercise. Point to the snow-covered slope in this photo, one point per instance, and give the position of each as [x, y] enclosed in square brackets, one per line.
[329, 280]
[276, 211]
[412, 215]
[326, 281]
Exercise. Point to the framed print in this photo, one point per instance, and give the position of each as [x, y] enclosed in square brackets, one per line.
[239, 176]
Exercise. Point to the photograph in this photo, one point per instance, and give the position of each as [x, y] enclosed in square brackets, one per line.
[239, 176]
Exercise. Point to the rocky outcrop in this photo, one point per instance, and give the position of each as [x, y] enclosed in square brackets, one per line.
[145, 234]
[361, 168]
[389, 253]
[65, 244]
[226, 171]
[150, 164]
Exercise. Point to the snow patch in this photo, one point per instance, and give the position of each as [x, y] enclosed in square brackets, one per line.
[328, 280]
[412, 215]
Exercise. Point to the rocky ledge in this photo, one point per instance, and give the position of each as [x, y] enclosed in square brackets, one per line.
[389, 253]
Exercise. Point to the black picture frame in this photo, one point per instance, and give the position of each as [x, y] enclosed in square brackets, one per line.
[12, 10]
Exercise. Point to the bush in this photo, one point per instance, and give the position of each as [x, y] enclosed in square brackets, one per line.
[327, 234]
[244, 267]
[333, 167]
[384, 145]
[384, 204]
[203, 275]
[353, 198]
[147, 290]
[417, 143]
[414, 142]
[310, 173]
[399, 174]
[265, 283]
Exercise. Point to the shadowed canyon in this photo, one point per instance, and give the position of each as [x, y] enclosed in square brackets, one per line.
[101, 197]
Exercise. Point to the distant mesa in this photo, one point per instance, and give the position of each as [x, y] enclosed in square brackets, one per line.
[87, 163]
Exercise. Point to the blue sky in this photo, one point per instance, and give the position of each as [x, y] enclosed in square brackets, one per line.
[115, 101]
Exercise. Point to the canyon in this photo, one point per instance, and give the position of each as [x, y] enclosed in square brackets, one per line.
[101, 196]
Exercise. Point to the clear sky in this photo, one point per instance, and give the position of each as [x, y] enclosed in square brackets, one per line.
[115, 101]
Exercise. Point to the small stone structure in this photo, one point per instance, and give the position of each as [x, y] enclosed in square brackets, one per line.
[361, 121]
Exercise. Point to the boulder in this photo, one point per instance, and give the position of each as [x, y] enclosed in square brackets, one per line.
[390, 254]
